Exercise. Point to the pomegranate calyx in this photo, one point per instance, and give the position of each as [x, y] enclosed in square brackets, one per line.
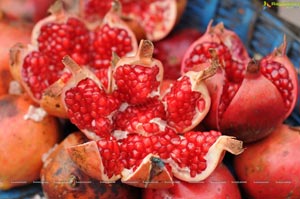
[116, 7]
[145, 51]
[253, 67]
[56, 8]
[281, 50]
[151, 173]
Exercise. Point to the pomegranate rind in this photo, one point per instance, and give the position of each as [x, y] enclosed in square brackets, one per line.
[213, 157]
[151, 173]
[88, 159]
[148, 174]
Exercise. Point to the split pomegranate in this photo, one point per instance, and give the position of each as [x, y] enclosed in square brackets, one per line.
[61, 178]
[11, 32]
[155, 17]
[134, 104]
[38, 65]
[268, 167]
[25, 135]
[170, 50]
[244, 93]
[220, 184]
[153, 161]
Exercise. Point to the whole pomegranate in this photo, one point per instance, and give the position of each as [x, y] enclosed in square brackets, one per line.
[220, 184]
[170, 50]
[249, 98]
[270, 166]
[63, 179]
[11, 32]
[25, 135]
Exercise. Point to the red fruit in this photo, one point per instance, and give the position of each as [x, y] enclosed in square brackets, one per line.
[269, 166]
[26, 133]
[28, 10]
[11, 32]
[244, 93]
[153, 161]
[61, 178]
[170, 50]
[156, 18]
[133, 104]
[38, 65]
[220, 184]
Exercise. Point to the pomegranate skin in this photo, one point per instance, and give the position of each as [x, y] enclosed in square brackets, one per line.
[220, 184]
[23, 142]
[269, 167]
[11, 33]
[58, 167]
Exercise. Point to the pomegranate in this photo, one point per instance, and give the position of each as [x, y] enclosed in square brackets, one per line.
[268, 167]
[156, 18]
[27, 10]
[116, 118]
[220, 184]
[133, 104]
[241, 104]
[152, 161]
[38, 65]
[61, 178]
[170, 50]
[11, 32]
[21, 155]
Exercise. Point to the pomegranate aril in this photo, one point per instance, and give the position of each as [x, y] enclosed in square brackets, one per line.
[278, 74]
[137, 83]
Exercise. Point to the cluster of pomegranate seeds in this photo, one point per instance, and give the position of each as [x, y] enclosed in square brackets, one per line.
[180, 114]
[89, 107]
[108, 39]
[110, 154]
[137, 83]
[43, 67]
[141, 118]
[279, 75]
[34, 63]
[186, 151]
[69, 38]
[201, 54]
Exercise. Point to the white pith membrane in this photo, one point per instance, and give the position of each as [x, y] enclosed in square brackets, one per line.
[213, 157]
[15, 88]
[36, 114]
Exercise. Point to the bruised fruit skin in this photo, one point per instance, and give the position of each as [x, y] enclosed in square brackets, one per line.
[220, 184]
[270, 166]
[58, 168]
[23, 141]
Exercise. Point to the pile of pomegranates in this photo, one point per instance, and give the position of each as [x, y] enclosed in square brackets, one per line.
[108, 99]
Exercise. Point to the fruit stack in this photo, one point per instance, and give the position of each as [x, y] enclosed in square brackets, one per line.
[138, 99]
